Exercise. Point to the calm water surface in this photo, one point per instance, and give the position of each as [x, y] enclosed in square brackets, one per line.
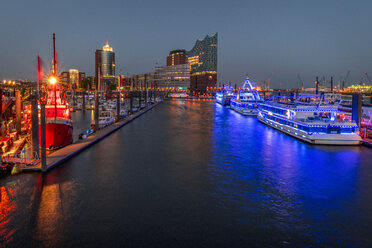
[194, 174]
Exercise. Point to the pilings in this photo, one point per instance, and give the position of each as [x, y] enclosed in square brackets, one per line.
[34, 128]
[83, 107]
[43, 139]
[131, 102]
[1, 114]
[357, 108]
[118, 106]
[96, 111]
[18, 111]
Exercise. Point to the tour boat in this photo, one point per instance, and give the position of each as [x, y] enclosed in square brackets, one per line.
[105, 118]
[309, 118]
[58, 121]
[224, 95]
[247, 100]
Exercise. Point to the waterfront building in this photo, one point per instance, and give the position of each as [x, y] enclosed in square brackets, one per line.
[105, 66]
[177, 57]
[203, 64]
[174, 77]
[139, 80]
[72, 78]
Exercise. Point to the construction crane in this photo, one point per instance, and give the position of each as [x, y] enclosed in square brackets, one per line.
[369, 80]
[345, 79]
[301, 81]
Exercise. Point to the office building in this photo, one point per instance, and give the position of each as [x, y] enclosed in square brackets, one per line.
[105, 67]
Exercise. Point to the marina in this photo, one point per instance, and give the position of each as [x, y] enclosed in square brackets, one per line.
[243, 180]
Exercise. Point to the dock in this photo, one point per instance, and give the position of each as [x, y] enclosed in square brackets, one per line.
[61, 155]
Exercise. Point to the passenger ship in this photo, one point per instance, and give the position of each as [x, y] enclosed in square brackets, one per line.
[309, 118]
[224, 96]
[247, 101]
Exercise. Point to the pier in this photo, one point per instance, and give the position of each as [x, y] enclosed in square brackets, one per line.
[61, 155]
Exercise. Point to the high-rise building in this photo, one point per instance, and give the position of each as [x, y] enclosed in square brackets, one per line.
[177, 57]
[203, 62]
[105, 66]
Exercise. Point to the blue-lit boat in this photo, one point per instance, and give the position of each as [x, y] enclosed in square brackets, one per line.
[224, 95]
[247, 100]
[309, 118]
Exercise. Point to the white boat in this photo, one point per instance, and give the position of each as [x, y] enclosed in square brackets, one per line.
[247, 100]
[224, 96]
[309, 118]
[105, 118]
[123, 113]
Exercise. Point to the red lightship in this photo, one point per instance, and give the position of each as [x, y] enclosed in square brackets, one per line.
[58, 119]
[58, 123]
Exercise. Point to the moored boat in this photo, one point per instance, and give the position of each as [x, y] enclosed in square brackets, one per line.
[309, 118]
[224, 96]
[247, 100]
[58, 122]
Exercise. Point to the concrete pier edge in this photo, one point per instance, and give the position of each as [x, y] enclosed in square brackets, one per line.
[89, 144]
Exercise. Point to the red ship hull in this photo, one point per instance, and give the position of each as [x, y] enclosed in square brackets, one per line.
[58, 134]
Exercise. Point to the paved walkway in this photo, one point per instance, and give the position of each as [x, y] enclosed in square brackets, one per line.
[67, 152]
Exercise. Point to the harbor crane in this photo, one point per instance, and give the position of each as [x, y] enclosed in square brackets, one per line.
[301, 81]
[345, 79]
[266, 84]
[369, 80]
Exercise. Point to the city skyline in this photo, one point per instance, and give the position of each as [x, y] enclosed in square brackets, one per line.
[258, 39]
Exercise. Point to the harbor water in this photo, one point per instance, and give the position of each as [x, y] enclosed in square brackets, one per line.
[194, 174]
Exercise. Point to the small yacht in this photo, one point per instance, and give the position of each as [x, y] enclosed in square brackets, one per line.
[309, 118]
[247, 100]
[224, 96]
[105, 118]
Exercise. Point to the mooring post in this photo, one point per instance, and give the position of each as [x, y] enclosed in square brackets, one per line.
[18, 111]
[131, 102]
[139, 100]
[146, 95]
[83, 100]
[1, 113]
[118, 106]
[356, 108]
[96, 111]
[43, 139]
[35, 128]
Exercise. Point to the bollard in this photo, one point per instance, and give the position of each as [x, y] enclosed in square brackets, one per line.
[43, 139]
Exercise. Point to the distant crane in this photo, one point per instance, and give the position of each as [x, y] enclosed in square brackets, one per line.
[266, 84]
[301, 81]
[345, 79]
[369, 80]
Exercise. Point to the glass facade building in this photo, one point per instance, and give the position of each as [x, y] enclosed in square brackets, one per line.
[203, 64]
[105, 66]
[174, 77]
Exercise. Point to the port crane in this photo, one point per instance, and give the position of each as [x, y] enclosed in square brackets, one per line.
[345, 79]
[301, 81]
[369, 80]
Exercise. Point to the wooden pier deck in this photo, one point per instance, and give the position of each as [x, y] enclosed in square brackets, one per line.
[60, 156]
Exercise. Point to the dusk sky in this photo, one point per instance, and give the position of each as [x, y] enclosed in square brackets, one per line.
[258, 38]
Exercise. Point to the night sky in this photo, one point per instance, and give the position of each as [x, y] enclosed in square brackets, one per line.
[258, 38]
